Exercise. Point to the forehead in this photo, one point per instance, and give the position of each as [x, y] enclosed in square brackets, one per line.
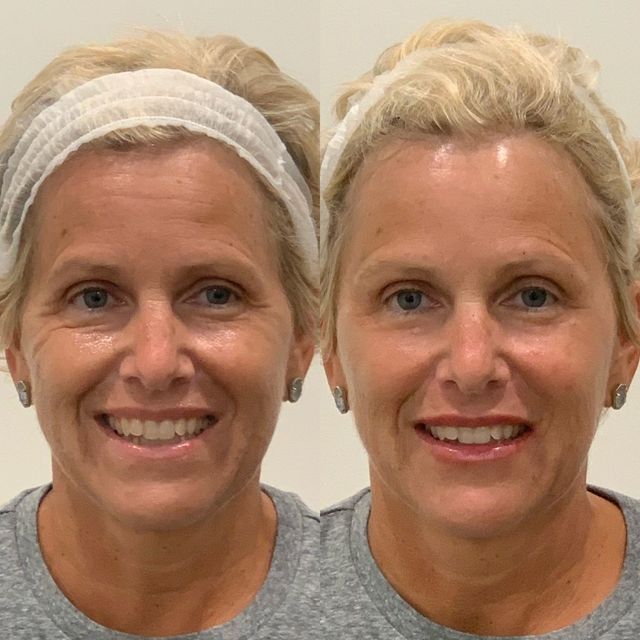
[509, 190]
[198, 191]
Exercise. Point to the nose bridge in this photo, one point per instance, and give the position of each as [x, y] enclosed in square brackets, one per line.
[155, 353]
[472, 352]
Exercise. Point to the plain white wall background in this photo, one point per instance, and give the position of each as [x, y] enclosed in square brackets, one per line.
[322, 43]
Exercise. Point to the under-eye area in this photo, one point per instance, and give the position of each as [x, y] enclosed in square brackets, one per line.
[145, 432]
[492, 435]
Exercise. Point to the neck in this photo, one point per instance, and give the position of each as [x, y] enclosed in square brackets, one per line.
[158, 583]
[546, 574]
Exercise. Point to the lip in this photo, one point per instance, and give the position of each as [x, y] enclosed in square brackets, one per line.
[455, 452]
[189, 449]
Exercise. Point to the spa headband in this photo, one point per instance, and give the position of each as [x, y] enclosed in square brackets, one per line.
[360, 106]
[147, 97]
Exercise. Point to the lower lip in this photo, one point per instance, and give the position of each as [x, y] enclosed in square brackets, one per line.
[159, 450]
[453, 451]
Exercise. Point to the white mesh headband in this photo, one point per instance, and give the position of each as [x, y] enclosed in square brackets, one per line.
[359, 109]
[151, 97]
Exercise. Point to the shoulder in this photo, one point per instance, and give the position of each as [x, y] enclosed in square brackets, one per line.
[291, 508]
[18, 608]
[24, 503]
[293, 582]
[11, 506]
[336, 521]
[298, 529]
[629, 506]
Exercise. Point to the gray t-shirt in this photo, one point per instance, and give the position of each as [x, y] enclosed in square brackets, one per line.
[359, 603]
[32, 607]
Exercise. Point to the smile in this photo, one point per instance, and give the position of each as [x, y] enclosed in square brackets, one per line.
[477, 435]
[147, 431]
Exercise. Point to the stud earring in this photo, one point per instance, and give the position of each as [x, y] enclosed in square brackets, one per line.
[295, 389]
[24, 393]
[340, 398]
[619, 396]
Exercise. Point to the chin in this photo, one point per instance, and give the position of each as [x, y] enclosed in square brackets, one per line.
[475, 512]
[165, 506]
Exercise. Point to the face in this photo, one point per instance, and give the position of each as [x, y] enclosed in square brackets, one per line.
[156, 310]
[476, 329]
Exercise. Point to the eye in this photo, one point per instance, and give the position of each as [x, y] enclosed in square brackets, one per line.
[408, 299]
[92, 298]
[217, 295]
[535, 297]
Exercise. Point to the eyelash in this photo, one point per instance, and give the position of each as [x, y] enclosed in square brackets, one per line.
[234, 296]
[392, 299]
[553, 298]
[74, 300]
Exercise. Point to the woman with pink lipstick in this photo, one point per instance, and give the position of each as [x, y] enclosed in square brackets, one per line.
[157, 296]
[480, 313]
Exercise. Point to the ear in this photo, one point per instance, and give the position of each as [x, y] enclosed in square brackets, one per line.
[300, 357]
[627, 354]
[333, 369]
[16, 362]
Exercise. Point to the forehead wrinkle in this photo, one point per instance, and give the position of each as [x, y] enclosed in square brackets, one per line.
[226, 263]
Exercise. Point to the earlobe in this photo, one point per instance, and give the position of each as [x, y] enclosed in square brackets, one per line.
[627, 357]
[16, 364]
[629, 345]
[333, 369]
[300, 359]
[337, 381]
[302, 355]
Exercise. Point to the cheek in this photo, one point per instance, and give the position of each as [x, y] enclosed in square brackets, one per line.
[381, 359]
[568, 366]
[250, 364]
[385, 371]
[67, 363]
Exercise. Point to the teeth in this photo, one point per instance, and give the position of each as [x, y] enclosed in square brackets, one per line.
[139, 430]
[477, 435]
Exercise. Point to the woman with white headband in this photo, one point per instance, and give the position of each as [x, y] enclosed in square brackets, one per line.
[479, 306]
[157, 304]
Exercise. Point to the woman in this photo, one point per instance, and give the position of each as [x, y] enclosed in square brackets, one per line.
[480, 312]
[157, 306]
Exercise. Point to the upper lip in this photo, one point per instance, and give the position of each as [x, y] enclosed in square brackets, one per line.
[453, 420]
[157, 415]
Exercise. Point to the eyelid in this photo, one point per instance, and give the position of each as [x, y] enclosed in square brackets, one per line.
[390, 293]
[77, 291]
[408, 285]
[548, 288]
[237, 293]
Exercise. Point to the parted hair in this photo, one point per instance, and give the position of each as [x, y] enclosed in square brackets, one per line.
[241, 69]
[471, 80]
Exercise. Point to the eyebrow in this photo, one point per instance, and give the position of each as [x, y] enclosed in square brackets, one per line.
[411, 269]
[73, 265]
[541, 261]
[408, 269]
[225, 267]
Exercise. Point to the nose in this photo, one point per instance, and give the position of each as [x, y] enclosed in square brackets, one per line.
[473, 362]
[156, 357]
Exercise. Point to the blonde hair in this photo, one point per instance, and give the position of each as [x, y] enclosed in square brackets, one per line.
[474, 80]
[246, 71]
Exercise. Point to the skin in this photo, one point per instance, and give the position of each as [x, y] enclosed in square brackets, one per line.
[472, 230]
[185, 541]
